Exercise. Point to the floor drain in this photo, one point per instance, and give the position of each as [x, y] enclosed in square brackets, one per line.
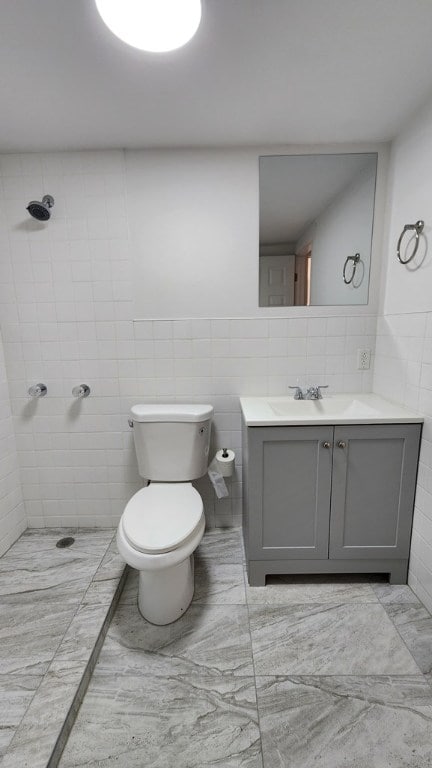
[66, 542]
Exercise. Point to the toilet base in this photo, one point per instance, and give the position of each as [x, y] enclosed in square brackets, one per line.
[165, 595]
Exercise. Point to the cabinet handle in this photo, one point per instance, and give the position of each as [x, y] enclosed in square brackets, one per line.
[341, 444]
[326, 444]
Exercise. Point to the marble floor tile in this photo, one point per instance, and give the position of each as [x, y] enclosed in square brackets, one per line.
[47, 597]
[36, 736]
[414, 624]
[16, 693]
[112, 564]
[32, 626]
[345, 722]
[129, 595]
[132, 721]
[394, 593]
[219, 583]
[286, 590]
[327, 639]
[34, 563]
[79, 639]
[225, 545]
[209, 638]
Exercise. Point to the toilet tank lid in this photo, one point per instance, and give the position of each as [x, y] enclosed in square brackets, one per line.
[172, 412]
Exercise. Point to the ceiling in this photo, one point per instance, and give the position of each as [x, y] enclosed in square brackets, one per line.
[257, 72]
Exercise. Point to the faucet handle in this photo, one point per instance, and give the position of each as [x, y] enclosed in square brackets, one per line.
[319, 388]
[298, 394]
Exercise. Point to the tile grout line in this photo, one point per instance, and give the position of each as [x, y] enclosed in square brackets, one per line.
[86, 676]
[246, 584]
[50, 663]
[419, 603]
[42, 677]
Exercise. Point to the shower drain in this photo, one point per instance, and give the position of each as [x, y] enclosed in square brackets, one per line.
[67, 541]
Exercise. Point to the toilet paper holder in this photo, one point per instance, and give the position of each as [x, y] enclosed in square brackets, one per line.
[225, 459]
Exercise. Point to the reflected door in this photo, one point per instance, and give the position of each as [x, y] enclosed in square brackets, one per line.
[276, 281]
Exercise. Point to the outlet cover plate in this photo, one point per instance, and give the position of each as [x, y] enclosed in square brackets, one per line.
[363, 359]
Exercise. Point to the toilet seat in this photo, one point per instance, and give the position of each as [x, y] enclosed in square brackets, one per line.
[161, 517]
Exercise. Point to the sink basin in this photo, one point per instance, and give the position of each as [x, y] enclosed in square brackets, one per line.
[331, 407]
[335, 409]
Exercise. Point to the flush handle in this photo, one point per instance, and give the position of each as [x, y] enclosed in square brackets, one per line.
[341, 444]
[326, 444]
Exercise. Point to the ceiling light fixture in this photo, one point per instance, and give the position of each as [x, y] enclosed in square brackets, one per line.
[152, 25]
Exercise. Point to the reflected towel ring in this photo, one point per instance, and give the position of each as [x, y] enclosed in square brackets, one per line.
[418, 227]
[355, 260]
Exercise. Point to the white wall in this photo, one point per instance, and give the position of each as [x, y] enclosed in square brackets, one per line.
[67, 316]
[343, 229]
[12, 515]
[194, 230]
[403, 366]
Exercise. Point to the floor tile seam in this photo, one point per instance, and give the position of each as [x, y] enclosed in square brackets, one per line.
[105, 604]
[50, 663]
[312, 603]
[15, 728]
[93, 578]
[289, 604]
[217, 561]
[43, 676]
[366, 675]
[99, 564]
[417, 604]
[393, 623]
[85, 664]
[246, 584]
[85, 678]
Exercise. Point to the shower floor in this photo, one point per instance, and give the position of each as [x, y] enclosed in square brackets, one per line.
[55, 607]
[300, 673]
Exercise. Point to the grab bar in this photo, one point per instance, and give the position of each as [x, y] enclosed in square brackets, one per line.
[418, 227]
[355, 260]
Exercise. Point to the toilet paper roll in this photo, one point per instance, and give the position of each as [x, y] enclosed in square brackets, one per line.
[225, 459]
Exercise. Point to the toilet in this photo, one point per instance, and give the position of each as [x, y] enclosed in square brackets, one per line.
[163, 523]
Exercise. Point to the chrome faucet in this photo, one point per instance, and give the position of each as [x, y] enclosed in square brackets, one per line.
[298, 394]
[314, 393]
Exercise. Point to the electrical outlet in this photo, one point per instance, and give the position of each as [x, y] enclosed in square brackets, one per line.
[363, 359]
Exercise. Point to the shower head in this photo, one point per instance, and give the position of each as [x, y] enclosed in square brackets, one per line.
[41, 211]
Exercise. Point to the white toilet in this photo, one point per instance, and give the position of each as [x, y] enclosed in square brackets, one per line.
[163, 523]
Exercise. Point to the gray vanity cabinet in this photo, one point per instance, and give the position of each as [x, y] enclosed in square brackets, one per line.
[289, 491]
[317, 497]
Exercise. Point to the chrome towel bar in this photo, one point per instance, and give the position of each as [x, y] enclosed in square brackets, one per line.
[418, 227]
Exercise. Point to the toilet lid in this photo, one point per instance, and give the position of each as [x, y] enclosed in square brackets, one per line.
[161, 516]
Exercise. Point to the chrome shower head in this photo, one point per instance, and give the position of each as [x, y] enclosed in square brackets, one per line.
[41, 211]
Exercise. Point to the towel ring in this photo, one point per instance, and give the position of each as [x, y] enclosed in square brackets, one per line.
[418, 227]
[355, 260]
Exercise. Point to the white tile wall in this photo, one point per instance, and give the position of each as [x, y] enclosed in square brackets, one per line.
[403, 372]
[12, 514]
[67, 318]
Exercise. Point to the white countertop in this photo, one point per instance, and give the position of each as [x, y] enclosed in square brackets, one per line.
[332, 409]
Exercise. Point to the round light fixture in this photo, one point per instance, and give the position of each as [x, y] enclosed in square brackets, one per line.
[152, 25]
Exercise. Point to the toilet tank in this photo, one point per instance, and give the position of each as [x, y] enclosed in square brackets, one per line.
[172, 441]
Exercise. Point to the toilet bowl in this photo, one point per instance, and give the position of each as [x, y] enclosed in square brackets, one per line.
[164, 522]
[160, 528]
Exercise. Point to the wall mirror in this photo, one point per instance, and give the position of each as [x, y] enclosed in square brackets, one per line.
[316, 219]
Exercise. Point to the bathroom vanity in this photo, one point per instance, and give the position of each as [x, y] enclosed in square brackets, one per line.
[328, 485]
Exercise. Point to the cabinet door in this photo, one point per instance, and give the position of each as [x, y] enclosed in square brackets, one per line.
[289, 491]
[374, 478]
